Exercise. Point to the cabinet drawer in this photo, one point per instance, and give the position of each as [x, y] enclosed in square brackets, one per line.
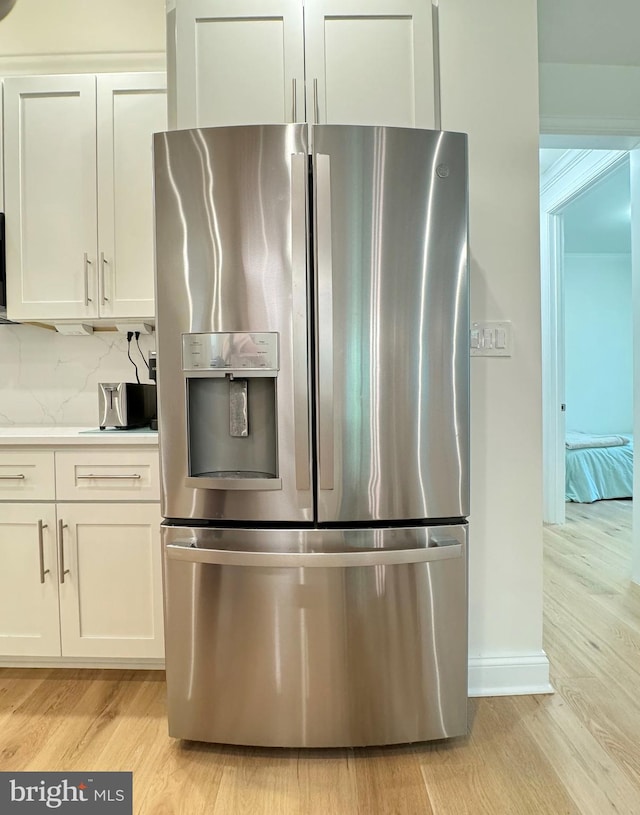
[27, 475]
[107, 475]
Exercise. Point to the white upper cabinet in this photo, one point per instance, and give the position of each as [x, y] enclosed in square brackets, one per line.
[238, 62]
[50, 196]
[78, 194]
[130, 108]
[369, 62]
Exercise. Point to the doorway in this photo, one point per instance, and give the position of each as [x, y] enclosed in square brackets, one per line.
[569, 179]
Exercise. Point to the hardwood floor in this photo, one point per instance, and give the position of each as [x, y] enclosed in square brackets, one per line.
[574, 752]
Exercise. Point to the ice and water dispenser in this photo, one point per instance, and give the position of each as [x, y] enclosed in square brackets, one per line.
[231, 383]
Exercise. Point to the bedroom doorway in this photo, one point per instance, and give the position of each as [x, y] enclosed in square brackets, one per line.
[567, 177]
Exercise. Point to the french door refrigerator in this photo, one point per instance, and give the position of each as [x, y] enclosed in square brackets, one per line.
[313, 375]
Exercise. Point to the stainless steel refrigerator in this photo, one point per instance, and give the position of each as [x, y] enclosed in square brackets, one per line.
[313, 375]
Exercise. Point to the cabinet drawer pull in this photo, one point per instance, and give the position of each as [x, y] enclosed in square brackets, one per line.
[87, 263]
[61, 527]
[93, 475]
[43, 571]
[16, 477]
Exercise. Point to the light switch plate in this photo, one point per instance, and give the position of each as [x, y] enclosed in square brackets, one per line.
[490, 339]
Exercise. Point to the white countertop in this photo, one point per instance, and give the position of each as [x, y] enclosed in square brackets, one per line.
[67, 436]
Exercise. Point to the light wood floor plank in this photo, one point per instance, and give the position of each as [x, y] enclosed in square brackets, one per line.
[328, 782]
[593, 779]
[389, 782]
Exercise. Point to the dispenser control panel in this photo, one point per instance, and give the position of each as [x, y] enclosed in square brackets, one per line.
[230, 351]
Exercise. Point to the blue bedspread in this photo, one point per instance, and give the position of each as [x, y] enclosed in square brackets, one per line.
[602, 472]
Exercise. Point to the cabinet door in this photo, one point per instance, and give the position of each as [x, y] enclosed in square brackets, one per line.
[369, 62]
[50, 196]
[238, 62]
[29, 622]
[130, 108]
[111, 598]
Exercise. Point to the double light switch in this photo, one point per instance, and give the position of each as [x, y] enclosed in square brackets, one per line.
[491, 339]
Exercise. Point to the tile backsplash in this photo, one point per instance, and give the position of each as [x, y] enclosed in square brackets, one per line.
[50, 379]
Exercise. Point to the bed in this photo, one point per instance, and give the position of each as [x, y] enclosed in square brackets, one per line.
[598, 467]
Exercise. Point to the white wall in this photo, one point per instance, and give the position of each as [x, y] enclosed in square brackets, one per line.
[598, 343]
[46, 378]
[489, 76]
[589, 99]
[73, 36]
[83, 26]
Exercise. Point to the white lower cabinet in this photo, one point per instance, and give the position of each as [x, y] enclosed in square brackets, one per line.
[82, 580]
[29, 623]
[110, 603]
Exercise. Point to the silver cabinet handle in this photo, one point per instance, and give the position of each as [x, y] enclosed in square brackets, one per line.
[93, 475]
[61, 527]
[43, 571]
[87, 263]
[103, 278]
[16, 477]
[324, 342]
[299, 253]
[294, 105]
[316, 108]
[388, 557]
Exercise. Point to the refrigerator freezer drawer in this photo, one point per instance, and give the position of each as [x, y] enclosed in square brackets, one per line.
[309, 638]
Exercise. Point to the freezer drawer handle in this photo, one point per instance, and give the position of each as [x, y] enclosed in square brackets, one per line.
[445, 550]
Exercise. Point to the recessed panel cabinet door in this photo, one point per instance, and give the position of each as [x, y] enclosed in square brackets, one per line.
[50, 196]
[369, 62]
[130, 108]
[29, 622]
[111, 598]
[238, 63]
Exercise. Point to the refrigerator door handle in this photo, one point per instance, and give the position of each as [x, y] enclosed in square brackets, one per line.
[299, 252]
[325, 320]
[444, 550]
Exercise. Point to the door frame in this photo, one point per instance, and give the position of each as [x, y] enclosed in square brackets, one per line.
[565, 180]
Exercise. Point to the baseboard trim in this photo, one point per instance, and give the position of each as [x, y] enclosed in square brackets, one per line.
[509, 675]
[66, 662]
[488, 676]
